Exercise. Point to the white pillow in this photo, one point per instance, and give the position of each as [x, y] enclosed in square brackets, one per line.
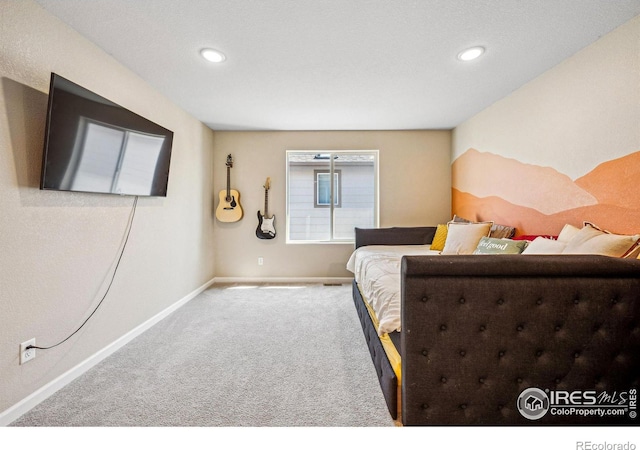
[544, 246]
[567, 232]
[463, 238]
[591, 240]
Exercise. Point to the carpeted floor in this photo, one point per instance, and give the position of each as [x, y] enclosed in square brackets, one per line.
[235, 356]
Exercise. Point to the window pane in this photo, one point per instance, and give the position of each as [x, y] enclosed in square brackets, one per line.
[358, 188]
[324, 189]
[305, 221]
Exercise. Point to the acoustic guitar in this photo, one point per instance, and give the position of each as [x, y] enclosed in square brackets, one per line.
[229, 209]
[266, 225]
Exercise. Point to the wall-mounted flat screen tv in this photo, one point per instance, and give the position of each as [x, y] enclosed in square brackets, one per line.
[94, 145]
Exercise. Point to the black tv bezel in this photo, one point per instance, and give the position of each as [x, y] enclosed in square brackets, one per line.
[134, 116]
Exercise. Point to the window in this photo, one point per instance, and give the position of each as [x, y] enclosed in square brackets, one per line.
[319, 210]
[323, 188]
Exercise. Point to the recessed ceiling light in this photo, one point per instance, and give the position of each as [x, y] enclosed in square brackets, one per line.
[470, 53]
[212, 55]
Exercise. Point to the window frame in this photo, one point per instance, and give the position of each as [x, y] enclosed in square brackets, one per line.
[337, 188]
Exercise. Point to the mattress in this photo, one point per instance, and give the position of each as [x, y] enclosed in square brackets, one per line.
[376, 270]
[390, 342]
[382, 354]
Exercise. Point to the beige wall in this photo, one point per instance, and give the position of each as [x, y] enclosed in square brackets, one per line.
[57, 248]
[414, 190]
[565, 147]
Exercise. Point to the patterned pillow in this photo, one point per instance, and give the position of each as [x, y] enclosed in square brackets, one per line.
[459, 219]
[497, 231]
[502, 231]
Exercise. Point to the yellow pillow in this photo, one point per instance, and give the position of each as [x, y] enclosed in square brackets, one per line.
[440, 237]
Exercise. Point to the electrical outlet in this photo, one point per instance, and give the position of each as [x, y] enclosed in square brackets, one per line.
[27, 354]
[260, 261]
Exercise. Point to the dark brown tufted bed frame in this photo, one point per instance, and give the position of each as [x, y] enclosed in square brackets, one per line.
[477, 330]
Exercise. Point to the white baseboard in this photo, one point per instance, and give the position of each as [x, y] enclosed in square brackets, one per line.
[282, 280]
[23, 406]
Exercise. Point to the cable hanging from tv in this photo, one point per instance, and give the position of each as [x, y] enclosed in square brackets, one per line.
[113, 276]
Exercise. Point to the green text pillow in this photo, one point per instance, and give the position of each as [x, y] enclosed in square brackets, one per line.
[495, 246]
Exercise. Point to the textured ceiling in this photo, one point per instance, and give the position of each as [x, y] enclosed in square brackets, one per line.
[340, 64]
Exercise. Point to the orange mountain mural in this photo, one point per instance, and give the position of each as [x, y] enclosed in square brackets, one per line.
[615, 182]
[487, 174]
[541, 200]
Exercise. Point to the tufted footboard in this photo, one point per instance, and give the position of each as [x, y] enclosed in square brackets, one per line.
[478, 331]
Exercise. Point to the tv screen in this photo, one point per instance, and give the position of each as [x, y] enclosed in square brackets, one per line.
[94, 145]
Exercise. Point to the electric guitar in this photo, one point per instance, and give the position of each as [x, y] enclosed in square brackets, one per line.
[266, 228]
[229, 209]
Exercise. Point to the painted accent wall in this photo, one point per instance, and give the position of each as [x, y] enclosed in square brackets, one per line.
[58, 249]
[564, 148]
[415, 189]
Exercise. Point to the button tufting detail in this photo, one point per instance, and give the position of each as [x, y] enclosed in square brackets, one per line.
[424, 299]
[424, 406]
[462, 300]
[443, 379]
[481, 380]
[483, 328]
[519, 380]
[462, 353]
[539, 353]
[425, 352]
[539, 302]
[443, 327]
[501, 353]
[500, 301]
[463, 406]
[520, 328]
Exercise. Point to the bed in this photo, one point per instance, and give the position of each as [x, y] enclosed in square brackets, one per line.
[472, 340]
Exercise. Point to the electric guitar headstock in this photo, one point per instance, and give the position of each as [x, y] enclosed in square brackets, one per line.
[267, 184]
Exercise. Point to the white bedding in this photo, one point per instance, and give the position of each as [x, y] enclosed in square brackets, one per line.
[376, 269]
